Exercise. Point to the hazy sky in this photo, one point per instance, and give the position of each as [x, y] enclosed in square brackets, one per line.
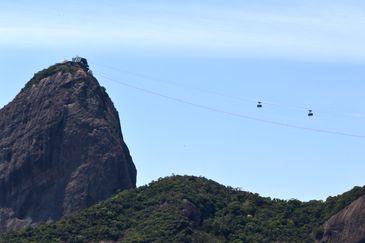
[190, 74]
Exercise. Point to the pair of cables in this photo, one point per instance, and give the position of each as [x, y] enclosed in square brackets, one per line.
[259, 104]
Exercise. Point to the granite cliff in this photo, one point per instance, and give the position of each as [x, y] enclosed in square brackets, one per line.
[61, 148]
[348, 225]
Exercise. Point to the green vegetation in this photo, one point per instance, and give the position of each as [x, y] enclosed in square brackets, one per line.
[64, 67]
[191, 209]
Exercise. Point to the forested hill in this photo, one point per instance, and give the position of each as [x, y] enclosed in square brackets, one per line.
[191, 209]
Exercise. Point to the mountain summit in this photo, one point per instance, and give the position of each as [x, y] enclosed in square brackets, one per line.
[61, 148]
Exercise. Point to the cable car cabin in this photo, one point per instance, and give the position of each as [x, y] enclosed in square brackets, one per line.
[259, 104]
[310, 113]
[82, 61]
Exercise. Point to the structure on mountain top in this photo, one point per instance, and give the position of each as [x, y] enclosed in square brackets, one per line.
[81, 61]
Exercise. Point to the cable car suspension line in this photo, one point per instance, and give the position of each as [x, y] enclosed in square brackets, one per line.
[260, 103]
[242, 116]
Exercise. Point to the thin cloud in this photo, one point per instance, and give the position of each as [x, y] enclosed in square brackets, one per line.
[291, 32]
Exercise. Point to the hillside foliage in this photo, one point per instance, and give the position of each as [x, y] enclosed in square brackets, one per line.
[191, 209]
[64, 67]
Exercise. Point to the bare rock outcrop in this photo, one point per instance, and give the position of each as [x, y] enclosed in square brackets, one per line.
[61, 148]
[348, 225]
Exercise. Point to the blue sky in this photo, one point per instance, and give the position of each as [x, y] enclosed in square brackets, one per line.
[291, 55]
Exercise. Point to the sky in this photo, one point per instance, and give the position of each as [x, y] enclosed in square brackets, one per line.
[186, 77]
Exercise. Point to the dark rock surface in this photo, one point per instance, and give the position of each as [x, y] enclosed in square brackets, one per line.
[61, 148]
[348, 225]
[192, 212]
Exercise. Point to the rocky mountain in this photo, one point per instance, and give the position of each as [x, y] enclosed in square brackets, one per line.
[61, 148]
[191, 209]
[348, 225]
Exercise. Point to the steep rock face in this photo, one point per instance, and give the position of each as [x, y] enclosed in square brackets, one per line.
[61, 148]
[348, 225]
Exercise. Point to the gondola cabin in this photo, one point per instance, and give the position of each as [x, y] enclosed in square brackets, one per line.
[82, 61]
